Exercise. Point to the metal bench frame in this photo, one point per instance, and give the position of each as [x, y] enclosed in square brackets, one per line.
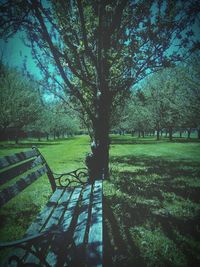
[71, 222]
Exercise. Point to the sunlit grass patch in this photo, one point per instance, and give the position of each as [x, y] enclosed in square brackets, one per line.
[156, 248]
[180, 207]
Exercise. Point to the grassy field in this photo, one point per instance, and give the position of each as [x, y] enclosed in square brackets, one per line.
[151, 201]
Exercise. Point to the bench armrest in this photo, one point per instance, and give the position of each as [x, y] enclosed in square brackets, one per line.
[77, 176]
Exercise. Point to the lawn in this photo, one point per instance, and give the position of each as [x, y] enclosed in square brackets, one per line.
[151, 201]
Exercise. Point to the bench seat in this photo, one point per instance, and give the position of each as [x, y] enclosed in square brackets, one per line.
[67, 232]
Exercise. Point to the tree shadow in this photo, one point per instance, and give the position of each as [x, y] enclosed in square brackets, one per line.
[127, 140]
[119, 248]
[160, 174]
[142, 196]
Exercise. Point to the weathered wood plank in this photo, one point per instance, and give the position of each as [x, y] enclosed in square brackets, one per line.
[13, 172]
[11, 191]
[38, 224]
[58, 251]
[70, 209]
[15, 158]
[52, 221]
[45, 214]
[94, 253]
[79, 233]
[58, 212]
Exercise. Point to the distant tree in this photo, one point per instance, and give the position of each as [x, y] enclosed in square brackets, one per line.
[62, 121]
[138, 116]
[101, 49]
[189, 74]
[20, 103]
[166, 99]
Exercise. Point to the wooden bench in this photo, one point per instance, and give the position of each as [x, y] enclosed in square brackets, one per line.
[68, 231]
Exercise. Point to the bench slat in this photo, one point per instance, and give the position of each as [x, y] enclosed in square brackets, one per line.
[40, 220]
[70, 209]
[52, 257]
[44, 215]
[53, 220]
[58, 212]
[15, 158]
[11, 191]
[79, 233]
[9, 174]
[94, 256]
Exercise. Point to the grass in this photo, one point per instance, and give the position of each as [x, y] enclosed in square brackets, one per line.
[151, 201]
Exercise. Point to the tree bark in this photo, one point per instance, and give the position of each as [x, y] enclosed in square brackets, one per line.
[158, 134]
[170, 133]
[101, 137]
[198, 133]
[189, 132]
[39, 137]
[143, 134]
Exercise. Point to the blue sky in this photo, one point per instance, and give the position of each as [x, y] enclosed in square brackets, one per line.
[14, 51]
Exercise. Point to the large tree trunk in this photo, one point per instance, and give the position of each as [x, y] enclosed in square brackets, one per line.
[101, 137]
[98, 161]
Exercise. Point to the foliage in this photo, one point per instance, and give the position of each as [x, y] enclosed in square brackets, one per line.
[20, 102]
[97, 50]
[168, 99]
[61, 121]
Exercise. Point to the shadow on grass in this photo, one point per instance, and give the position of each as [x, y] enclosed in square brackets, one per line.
[160, 174]
[160, 198]
[127, 140]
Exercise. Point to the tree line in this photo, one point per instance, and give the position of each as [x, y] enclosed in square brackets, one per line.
[166, 102]
[26, 112]
[99, 50]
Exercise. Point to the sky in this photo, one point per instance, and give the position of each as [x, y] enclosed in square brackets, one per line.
[14, 52]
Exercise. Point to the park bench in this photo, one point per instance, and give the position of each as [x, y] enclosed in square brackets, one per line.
[68, 231]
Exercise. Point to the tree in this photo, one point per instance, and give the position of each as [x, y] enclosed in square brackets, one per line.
[137, 116]
[54, 120]
[101, 49]
[19, 101]
[163, 95]
[189, 74]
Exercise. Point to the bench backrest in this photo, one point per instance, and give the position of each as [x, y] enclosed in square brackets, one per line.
[30, 164]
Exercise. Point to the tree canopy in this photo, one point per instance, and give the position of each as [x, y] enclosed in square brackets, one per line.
[20, 102]
[98, 50]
